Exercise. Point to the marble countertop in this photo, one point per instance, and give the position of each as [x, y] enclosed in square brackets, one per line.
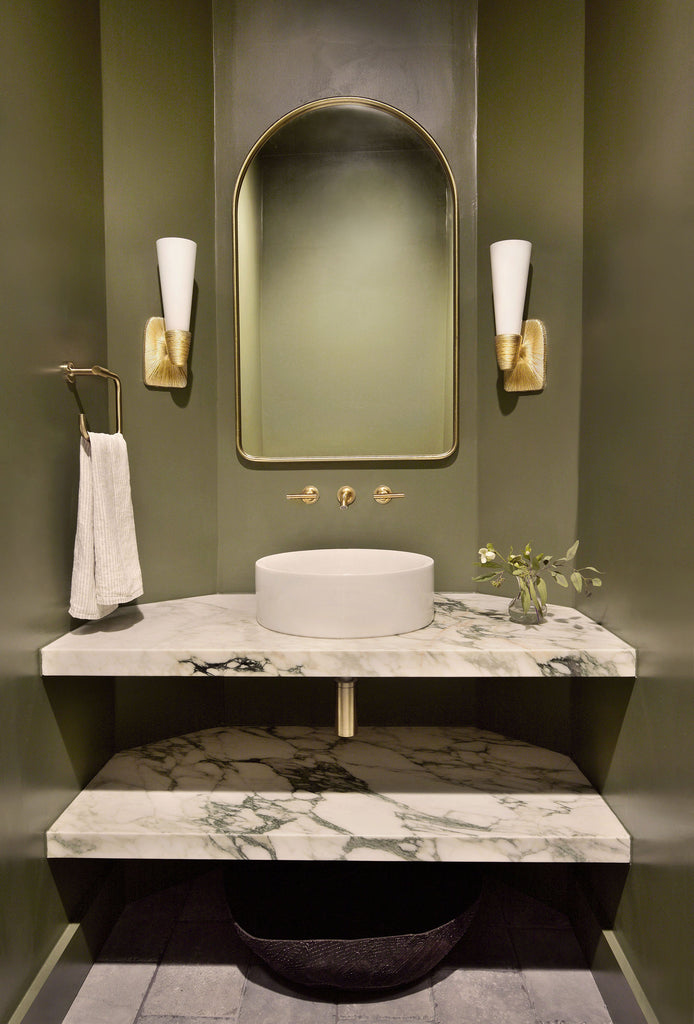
[218, 635]
[419, 793]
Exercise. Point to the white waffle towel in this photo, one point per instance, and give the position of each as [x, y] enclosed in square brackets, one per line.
[106, 567]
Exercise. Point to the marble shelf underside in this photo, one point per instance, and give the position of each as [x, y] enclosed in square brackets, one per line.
[218, 635]
[401, 794]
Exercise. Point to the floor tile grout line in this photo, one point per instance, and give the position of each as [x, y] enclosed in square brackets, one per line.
[138, 1015]
[244, 987]
[516, 957]
[152, 1018]
[175, 922]
[523, 982]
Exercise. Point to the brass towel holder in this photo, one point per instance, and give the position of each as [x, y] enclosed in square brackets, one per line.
[71, 371]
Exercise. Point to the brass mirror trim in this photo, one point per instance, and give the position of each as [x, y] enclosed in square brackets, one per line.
[290, 116]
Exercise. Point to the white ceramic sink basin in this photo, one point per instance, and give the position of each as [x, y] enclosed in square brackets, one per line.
[344, 592]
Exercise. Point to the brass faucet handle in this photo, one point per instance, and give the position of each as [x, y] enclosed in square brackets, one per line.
[384, 494]
[309, 495]
[346, 496]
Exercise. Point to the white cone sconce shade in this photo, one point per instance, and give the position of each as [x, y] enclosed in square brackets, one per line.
[176, 259]
[521, 346]
[510, 267]
[167, 339]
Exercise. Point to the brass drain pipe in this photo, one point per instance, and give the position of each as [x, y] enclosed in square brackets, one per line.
[346, 711]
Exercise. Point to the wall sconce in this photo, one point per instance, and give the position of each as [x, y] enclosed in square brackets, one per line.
[521, 345]
[167, 339]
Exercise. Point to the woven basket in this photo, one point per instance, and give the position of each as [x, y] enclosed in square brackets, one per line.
[338, 900]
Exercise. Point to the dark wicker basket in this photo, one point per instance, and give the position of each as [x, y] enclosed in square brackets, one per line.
[288, 910]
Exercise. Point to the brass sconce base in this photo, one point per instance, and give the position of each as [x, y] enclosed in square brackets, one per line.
[166, 355]
[523, 357]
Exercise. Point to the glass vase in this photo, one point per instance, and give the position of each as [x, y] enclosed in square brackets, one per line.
[532, 617]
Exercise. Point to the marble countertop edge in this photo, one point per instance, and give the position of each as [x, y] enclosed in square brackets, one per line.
[601, 850]
[454, 793]
[217, 635]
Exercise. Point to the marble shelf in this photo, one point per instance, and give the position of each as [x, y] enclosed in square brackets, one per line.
[217, 635]
[401, 794]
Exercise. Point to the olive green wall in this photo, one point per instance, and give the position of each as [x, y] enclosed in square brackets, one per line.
[158, 103]
[637, 489]
[52, 739]
[269, 58]
[158, 181]
[530, 169]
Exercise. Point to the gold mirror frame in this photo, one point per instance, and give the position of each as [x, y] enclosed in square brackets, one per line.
[431, 142]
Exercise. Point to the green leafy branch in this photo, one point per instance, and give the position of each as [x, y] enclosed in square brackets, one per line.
[530, 570]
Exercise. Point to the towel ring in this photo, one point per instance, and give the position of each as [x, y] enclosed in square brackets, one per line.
[71, 371]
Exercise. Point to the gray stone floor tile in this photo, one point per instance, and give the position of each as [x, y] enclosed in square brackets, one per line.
[484, 947]
[111, 994]
[560, 986]
[166, 903]
[202, 974]
[135, 939]
[206, 899]
[411, 1003]
[486, 943]
[522, 911]
[481, 997]
[267, 999]
[195, 990]
[206, 942]
[547, 948]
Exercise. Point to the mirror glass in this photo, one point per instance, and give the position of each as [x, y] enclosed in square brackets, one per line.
[346, 289]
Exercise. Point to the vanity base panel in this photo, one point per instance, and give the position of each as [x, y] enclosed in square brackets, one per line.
[293, 793]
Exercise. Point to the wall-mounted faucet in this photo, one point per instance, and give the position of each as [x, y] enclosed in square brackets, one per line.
[309, 495]
[346, 496]
[383, 494]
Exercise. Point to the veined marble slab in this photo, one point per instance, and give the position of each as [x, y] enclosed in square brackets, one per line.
[422, 794]
[218, 635]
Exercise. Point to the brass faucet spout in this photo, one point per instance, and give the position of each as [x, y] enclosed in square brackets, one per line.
[346, 496]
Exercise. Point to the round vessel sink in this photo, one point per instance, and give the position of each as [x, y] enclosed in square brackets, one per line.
[344, 592]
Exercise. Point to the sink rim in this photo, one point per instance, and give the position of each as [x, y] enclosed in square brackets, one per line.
[363, 567]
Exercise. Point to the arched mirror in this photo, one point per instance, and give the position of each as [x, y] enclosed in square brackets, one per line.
[346, 289]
